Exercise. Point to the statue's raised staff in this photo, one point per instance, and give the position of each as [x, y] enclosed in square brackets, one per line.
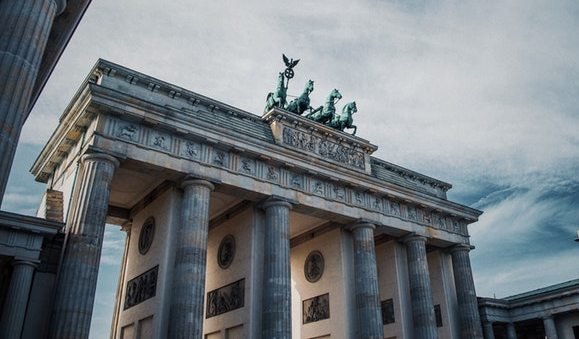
[344, 120]
[302, 103]
[324, 113]
[277, 98]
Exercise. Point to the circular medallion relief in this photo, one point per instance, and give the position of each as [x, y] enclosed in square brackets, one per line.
[146, 236]
[314, 266]
[226, 251]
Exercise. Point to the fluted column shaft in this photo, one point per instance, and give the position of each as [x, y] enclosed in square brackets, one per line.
[420, 290]
[24, 29]
[488, 330]
[550, 328]
[276, 321]
[85, 230]
[470, 325]
[511, 331]
[368, 312]
[191, 261]
[14, 311]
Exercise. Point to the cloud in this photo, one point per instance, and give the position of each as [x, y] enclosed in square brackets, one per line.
[113, 246]
[479, 94]
[525, 238]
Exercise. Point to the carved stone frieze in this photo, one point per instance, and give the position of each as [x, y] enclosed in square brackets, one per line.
[339, 192]
[272, 173]
[282, 175]
[225, 299]
[127, 131]
[141, 288]
[323, 148]
[316, 308]
[220, 158]
[247, 166]
[160, 141]
[304, 135]
[191, 150]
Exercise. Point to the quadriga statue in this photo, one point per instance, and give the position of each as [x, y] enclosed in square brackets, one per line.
[277, 98]
[324, 113]
[302, 103]
[344, 120]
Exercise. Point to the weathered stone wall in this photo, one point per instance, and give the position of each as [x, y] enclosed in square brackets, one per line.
[235, 321]
[392, 277]
[165, 211]
[333, 281]
[443, 293]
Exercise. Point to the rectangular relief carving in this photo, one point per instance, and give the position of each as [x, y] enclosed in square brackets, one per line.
[224, 299]
[316, 308]
[323, 148]
[141, 288]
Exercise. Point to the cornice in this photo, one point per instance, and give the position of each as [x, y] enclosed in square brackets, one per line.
[93, 98]
[117, 104]
[29, 224]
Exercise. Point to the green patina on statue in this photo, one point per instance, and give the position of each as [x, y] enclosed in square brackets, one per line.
[324, 114]
[277, 98]
[302, 103]
[344, 120]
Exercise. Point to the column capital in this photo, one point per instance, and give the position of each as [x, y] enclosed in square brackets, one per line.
[25, 261]
[101, 157]
[189, 181]
[361, 224]
[274, 201]
[460, 248]
[126, 226]
[412, 237]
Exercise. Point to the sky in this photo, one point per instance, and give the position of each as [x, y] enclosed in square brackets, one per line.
[480, 94]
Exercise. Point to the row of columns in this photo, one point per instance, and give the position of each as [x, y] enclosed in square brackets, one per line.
[85, 230]
[548, 324]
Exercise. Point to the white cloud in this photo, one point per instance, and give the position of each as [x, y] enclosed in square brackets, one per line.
[480, 94]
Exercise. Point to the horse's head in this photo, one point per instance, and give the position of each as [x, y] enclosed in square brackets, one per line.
[350, 108]
[309, 86]
[335, 94]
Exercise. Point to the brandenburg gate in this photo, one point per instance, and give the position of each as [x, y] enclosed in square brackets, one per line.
[247, 226]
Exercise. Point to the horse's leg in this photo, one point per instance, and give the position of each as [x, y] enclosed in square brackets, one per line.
[355, 129]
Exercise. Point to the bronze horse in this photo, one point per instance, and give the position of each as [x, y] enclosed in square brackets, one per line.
[302, 103]
[324, 113]
[344, 120]
[277, 98]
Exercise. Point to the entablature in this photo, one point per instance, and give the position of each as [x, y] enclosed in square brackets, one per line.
[276, 149]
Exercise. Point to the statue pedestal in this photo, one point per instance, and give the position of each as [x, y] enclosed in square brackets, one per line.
[320, 141]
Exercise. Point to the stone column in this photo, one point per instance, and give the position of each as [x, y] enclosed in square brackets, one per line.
[24, 29]
[470, 325]
[488, 330]
[276, 298]
[511, 331]
[550, 328]
[420, 290]
[17, 298]
[85, 229]
[369, 315]
[190, 261]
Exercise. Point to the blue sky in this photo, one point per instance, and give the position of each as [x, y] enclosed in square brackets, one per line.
[483, 95]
